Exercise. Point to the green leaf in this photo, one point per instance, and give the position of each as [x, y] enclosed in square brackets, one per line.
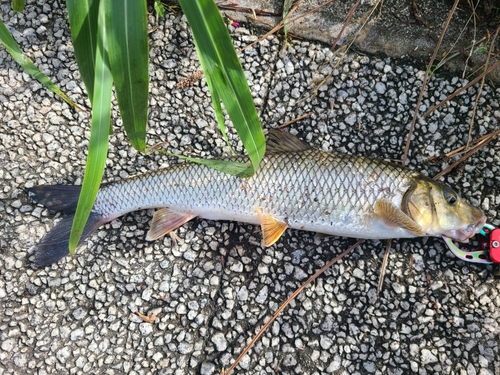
[18, 5]
[159, 8]
[222, 67]
[128, 50]
[83, 16]
[98, 145]
[13, 49]
[218, 111]
[286, 8]
[227, 166]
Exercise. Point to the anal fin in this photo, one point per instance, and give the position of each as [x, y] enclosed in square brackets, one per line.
[166, 220]
[272, 228]
[392, 215]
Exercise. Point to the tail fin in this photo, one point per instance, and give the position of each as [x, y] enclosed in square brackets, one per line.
[54, 245]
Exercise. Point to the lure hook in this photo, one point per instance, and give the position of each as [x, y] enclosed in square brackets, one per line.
[489, 247]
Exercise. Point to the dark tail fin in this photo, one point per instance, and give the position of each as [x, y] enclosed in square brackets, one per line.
[54, 245]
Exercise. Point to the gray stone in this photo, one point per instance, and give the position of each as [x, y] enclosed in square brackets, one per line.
[63, 354]
[426, 357]
[219, 341]
[380, 88]
[207, 368]
[145, 328]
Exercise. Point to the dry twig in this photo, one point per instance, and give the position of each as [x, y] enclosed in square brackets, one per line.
[480, 89]
[471, 83]
[190, 80]
[460, 150]
[348, 46]
[424, 83]
[344, 25]
[147, 318]
[478, 144]
[384, 266]
[417, 16]
[258, 12]
[289, 21]
[295, 120]
[285, 304]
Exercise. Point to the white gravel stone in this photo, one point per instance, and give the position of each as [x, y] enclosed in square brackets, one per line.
[207, 368]
[77, 334]
[219, 341]
[63, 354]
[426, 357]
[8, 345]
[380, 88]
[145, 328]
[398, 288]
[289, 68]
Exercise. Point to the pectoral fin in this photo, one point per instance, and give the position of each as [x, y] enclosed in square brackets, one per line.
[392, 215]
[166, 220]
[272, 228]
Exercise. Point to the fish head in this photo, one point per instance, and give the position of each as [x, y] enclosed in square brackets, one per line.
[439, 210]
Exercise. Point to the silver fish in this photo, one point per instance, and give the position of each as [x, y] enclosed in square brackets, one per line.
[296, 186]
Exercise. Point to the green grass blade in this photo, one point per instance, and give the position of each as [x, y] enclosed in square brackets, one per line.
[226, 166]
[98, 145]
[221, 66]
[83, 15]
[286, 8]
[128, 50]
[13, 49]
[159, 8]
[218, 111]
[18, 5]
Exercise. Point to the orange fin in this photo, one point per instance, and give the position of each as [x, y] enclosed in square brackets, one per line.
[272, 228]
[394, 216]
[166, 220]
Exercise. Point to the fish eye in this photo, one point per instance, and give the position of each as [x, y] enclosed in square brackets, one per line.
[450, 196]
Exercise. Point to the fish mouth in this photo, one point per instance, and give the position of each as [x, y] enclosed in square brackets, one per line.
[463, 234]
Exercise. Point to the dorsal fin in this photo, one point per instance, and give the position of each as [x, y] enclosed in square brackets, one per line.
[279, 141]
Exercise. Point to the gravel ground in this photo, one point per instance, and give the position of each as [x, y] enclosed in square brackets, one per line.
[213, 289]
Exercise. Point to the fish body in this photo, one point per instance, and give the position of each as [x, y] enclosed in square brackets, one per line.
[330, 193]
[296, 186]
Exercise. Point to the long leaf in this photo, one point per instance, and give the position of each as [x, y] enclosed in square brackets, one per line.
[218, 111]
[126, 25]
[13, 49]
[18, 5]
[83, 16]
[226, 166]
[98, 145]
[220, 63]
[286, 8]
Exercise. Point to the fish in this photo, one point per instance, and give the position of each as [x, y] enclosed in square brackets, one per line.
[296, 186]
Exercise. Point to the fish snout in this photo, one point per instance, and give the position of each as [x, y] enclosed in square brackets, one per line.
[463, 234]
